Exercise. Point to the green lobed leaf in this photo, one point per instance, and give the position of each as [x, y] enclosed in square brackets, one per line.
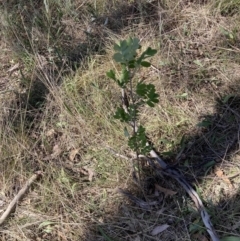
[147, 92]
[118, 57]
[133, 111]
[116, 47]
[138, 142]
[111, 74]
[122, 115]
[145, 64]
[150, 51]
[121, 84]
[132, 64]
[141, 89]
[126, 50]
[124, 76]
[150, 103]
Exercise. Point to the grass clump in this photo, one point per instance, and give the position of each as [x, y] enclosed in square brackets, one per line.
[57, 116]
[228, 8]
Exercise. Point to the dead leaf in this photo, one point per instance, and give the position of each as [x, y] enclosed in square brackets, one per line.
[50, 132]
[166, 191]
[159, 229]
[56, 151]
[73, 153]
[91, 173]
[220, 174]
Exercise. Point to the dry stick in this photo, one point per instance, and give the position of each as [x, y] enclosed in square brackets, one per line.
[198, 202]
[174, 173]
[19, 196]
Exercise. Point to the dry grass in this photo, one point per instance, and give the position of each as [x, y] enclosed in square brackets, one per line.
[57, 117]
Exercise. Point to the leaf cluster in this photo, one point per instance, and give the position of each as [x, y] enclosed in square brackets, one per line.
[148, 93]
[138, 141]
[127, 52]
[124, 77]
[128, 116]
[127, 55]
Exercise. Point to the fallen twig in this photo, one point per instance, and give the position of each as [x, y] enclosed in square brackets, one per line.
[174, 173]
[18, 197]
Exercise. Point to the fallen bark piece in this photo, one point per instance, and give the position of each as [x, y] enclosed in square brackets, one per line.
[19, 196]
[221, 174]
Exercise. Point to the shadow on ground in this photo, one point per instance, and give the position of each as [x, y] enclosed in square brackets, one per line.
[215, 144]
[204, 157]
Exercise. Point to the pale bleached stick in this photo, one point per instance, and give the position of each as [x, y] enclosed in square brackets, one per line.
[19, 196]
[174, 173]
